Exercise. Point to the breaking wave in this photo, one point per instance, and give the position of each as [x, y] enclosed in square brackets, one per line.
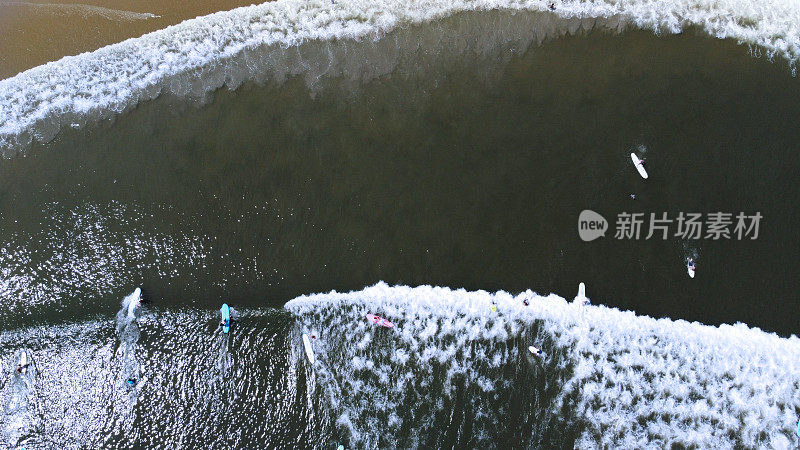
[454, 373]
[352, 39]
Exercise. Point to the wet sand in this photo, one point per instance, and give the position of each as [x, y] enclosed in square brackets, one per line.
[39, 31]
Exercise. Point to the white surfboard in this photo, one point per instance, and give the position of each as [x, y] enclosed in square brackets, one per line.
[137, 297]
[535, 351]
[581, 299]
[24, 361]
[639, 165]
[309, 349]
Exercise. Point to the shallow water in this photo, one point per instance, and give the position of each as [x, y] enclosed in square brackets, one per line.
[39, 31]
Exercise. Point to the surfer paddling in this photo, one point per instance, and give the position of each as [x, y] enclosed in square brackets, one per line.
[378, 320]
[225, 318]
[581, 298]
[639, 164]
[24, 362]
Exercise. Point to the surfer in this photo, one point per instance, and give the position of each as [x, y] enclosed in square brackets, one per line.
[690, 264]
[494, 306]
[552, 6]
[131, 382]
[535, 351]
[581, 299]
[633, 196]
[225, 318]
[24, 362]
[525, 301]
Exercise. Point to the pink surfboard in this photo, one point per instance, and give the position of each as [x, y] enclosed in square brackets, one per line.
[379, 321]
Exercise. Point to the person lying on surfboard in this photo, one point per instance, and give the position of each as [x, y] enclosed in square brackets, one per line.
[690, 264]
[24, 362]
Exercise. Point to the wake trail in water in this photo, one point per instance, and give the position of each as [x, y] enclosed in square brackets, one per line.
[194, 387]
[20, 413]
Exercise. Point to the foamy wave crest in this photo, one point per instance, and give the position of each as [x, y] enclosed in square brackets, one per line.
[261, 42]
[453, 372]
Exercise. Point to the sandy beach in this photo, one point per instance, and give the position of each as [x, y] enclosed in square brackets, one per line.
[39, 31]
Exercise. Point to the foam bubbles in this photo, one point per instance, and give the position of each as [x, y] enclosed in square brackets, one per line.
[629, 381]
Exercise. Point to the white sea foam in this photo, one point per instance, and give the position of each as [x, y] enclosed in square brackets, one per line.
[629, 381]
[253, 43]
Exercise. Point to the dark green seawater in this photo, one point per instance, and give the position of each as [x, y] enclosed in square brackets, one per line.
[466, 166]
[466, 171]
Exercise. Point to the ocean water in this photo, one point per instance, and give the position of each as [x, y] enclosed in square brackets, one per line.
[259, 156]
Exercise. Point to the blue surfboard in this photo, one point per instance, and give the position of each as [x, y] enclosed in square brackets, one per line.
[226, 317]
